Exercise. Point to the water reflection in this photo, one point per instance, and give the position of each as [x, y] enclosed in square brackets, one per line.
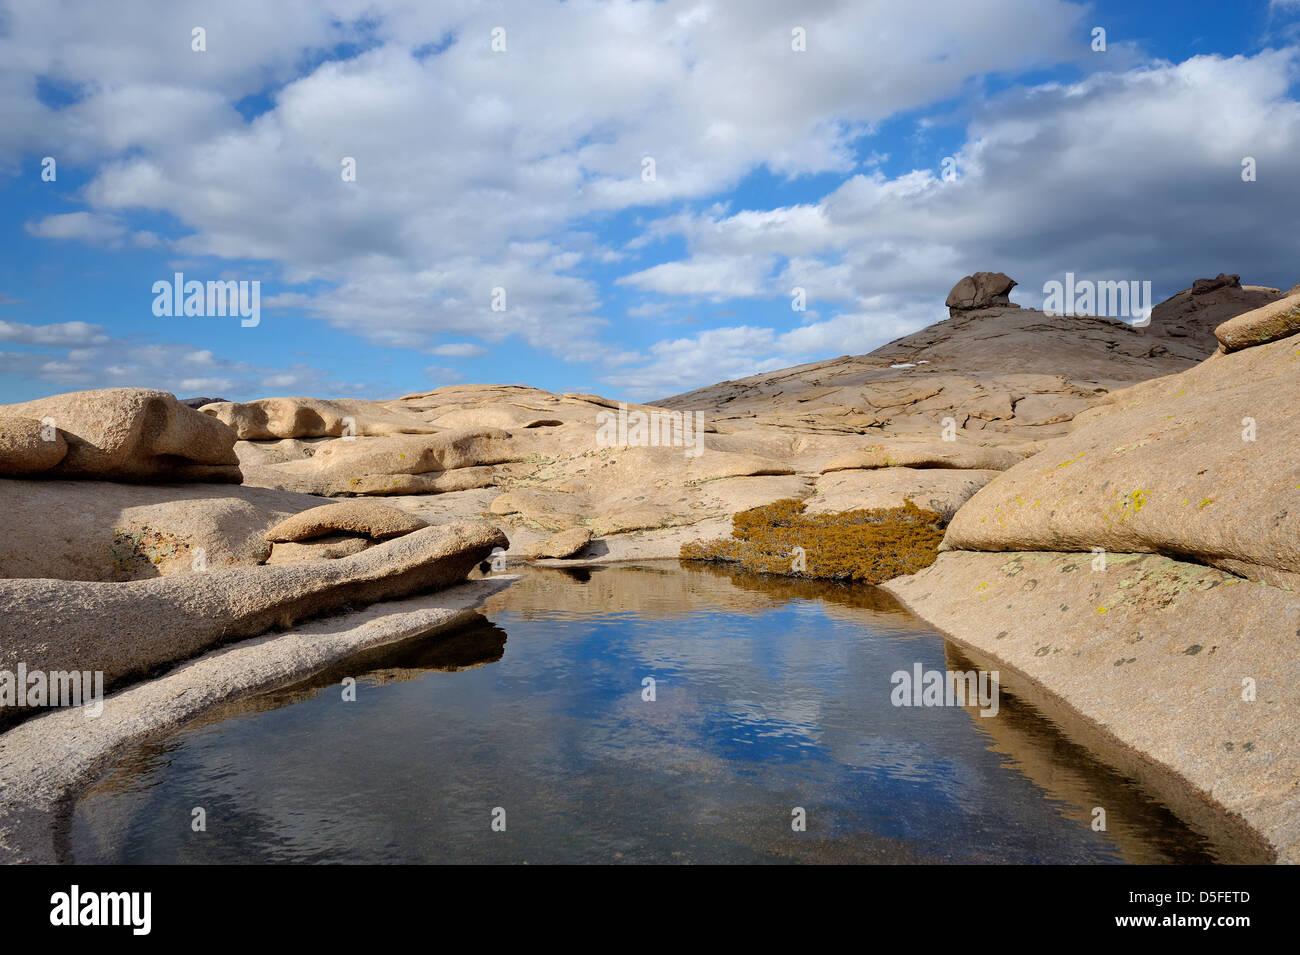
[770, 694]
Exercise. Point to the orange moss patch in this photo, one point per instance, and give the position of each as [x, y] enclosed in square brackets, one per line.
[871, 545]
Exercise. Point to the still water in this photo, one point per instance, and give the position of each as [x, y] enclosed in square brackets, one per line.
[770, 696]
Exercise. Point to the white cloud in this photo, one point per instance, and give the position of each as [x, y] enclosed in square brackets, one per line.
[715, 277]
[471, 165]
[86, 226]
[459, 350]
[89, 227]
[64, 333]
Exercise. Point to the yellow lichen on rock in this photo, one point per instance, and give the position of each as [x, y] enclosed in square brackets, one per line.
[871, 545]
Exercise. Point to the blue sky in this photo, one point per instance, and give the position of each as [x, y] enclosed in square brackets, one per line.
[522, 169]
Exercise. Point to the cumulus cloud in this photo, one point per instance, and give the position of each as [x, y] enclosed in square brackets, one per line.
[63, 333]
[89, 227]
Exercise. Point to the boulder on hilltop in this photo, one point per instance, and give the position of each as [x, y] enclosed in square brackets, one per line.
[981, 290]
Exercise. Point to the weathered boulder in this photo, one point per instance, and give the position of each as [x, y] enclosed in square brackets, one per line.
[28, 447]
[1279, 319]
[109, 531]
[410, 454]
[564, 544]
[981, 290]
[1199, 465]
[431, 482]
[1035, 410]
[367, 518]
[299, 417]
[396, 464]
[134, 434]
[128, 629]
[632, 519]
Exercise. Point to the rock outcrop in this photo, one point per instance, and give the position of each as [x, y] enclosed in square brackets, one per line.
[127, 629]
[44, 760]
[397, 464]
[337, 530]
[197, 403]
[133, 434]
[1222, 280]
[931, 455]
[1192, 316]
[271, 418]
[1188, 674]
